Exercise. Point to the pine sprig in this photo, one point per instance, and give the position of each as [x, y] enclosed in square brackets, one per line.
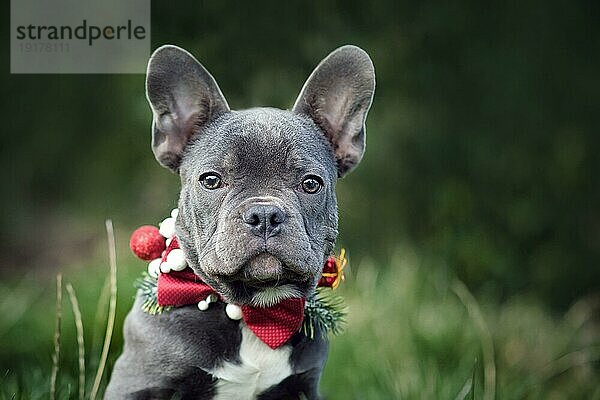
[324, 313]
[147, 287]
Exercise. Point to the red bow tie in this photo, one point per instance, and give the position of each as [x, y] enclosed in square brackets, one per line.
[273, 325]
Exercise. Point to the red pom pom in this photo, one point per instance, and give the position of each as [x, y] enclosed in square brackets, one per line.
[147, 243]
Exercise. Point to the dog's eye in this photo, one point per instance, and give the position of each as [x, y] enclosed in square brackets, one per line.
[211, 181]
[312, 184]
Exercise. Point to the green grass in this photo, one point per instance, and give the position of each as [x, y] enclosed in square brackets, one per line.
[414, 332]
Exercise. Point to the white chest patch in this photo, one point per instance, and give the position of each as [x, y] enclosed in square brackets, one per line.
[260, 368]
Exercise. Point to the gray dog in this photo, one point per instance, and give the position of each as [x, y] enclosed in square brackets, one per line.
[257, 219]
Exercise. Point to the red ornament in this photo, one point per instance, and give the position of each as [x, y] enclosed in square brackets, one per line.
[326, 281]
[330, 266]
[147, 243]
[333, 271]
[329, 273]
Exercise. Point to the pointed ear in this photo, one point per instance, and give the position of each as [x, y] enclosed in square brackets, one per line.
[183, 96]
[337, 96]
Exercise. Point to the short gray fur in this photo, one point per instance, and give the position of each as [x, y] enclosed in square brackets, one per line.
[262, 156]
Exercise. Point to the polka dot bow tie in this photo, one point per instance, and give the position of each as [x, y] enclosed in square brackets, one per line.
[273, 325]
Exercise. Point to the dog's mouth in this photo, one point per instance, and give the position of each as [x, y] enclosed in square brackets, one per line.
[266, 284]
[264, 280]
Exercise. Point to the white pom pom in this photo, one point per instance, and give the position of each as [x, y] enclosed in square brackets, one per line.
[234, 312]
[167, 227]
[165, 268]
[176, 260]
[174, 213]
[203, 305]
[154, 268]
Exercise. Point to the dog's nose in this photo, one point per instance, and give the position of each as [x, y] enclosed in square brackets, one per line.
[264, 220]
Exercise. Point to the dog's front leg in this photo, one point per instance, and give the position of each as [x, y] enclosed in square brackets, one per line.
[296, 387]
[168, 355]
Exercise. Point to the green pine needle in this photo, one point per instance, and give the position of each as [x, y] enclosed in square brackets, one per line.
[324, 313]
[147, 287]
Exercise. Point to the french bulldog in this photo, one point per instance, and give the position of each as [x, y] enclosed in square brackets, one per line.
[257, 219]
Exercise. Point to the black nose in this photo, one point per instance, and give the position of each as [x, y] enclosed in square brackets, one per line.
[264, 220]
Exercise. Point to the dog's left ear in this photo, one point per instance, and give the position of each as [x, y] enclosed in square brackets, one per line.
[184, 97]
[337, 96]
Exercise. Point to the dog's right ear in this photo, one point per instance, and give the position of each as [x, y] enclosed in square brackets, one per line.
[183, 96]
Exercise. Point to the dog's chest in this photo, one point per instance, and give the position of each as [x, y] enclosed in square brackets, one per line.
[259, 368]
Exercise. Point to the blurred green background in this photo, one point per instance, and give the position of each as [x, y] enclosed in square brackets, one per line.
[481, 162]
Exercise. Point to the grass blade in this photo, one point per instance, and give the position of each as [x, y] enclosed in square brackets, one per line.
[57, 321]
[466, 390]
[99, 324]
[111, 309]
[561, 365]
[80, 340]
[485, 336]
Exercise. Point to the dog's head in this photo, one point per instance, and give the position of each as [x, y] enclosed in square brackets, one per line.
[257, 209]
